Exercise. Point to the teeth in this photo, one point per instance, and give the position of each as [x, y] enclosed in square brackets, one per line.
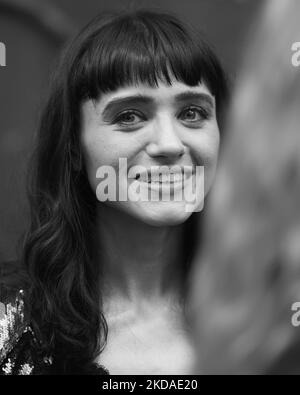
[163, 177]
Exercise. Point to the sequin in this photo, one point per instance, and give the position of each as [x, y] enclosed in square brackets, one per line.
[11, 324]
[48, 360]
[16, 338]
[7, 367]
[18, 343]
[26, 369]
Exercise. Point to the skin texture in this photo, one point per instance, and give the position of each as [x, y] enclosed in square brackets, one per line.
[141, 243]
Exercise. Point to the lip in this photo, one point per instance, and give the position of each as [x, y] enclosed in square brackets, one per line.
[165, 186]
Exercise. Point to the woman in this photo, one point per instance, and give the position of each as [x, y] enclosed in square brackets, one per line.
[105, 276]
[247, 277]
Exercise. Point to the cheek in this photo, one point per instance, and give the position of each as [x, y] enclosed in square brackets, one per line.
[97, 152]
[205, 153]
[205, 148]
[106, 149]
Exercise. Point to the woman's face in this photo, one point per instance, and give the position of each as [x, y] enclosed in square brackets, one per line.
[173, 126]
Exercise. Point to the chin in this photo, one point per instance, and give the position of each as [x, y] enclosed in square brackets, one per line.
[162, 214]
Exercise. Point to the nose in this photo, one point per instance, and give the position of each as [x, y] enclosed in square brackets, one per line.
[165, 142]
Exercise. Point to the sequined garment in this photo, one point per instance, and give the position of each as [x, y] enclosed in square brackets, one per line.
[19, 348]
[17, 339]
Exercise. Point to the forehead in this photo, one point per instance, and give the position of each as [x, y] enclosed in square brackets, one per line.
[161, 93]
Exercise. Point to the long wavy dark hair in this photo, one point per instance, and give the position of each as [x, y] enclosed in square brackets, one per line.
[113, 50]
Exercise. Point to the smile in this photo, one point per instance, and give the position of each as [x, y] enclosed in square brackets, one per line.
[156, 177]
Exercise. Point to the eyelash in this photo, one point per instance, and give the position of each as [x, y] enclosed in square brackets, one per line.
[127, 112]
[204, 114]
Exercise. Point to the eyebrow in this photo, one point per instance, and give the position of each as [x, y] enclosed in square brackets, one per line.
[144, 99]
[184, 96]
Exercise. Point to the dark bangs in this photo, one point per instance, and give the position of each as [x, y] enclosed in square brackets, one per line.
[143, 47]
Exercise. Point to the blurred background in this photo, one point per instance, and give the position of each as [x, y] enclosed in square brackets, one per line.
[34, 32]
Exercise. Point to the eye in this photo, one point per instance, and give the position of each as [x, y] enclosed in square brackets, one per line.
[194, 114]
[129, 117]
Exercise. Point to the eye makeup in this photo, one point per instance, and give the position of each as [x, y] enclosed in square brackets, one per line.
[131, 111]
[203, 113]
[129, 118]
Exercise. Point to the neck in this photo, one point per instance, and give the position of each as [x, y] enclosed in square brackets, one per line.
[139, 263]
